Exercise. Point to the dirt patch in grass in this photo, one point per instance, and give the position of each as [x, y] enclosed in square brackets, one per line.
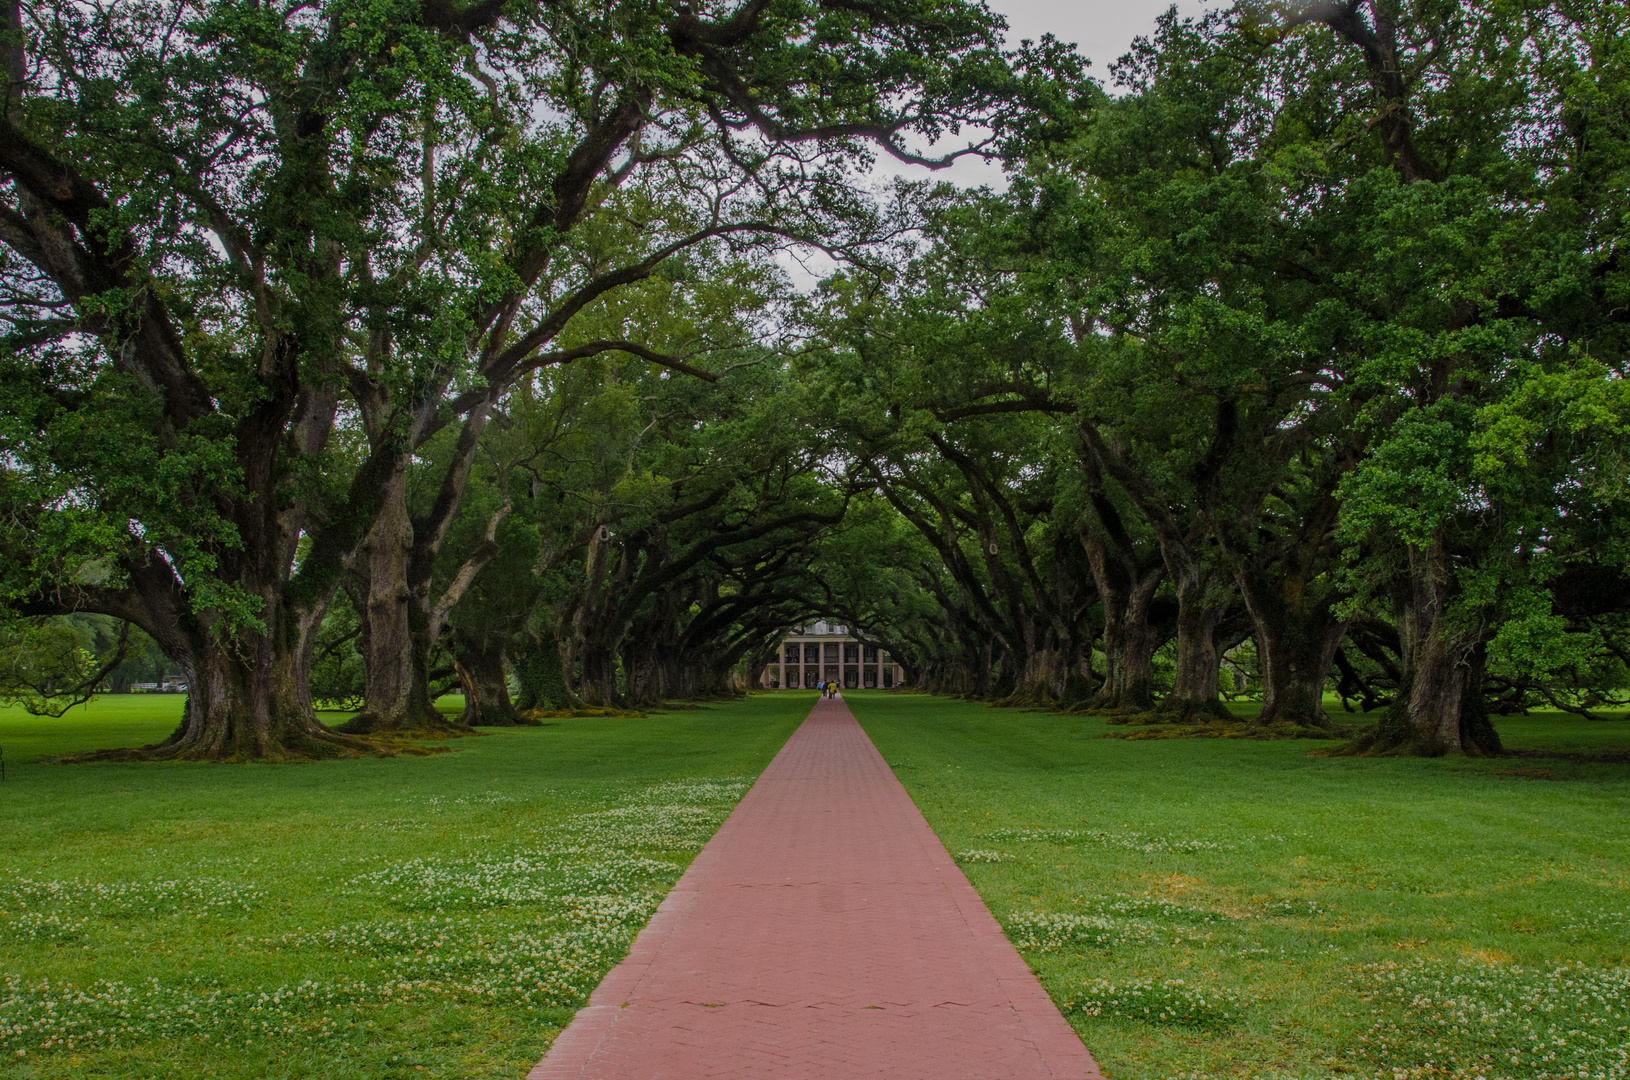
[1152, 726]
[1530, 774]
[1582, 757]
[582, 711]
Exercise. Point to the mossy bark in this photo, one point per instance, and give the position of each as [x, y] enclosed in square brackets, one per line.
[1052, 675]
[1296, 654]
[1126, 589]
[248, 696]
[397, 696]
[1129, 645]
[538, 670]
[597, 677]
[1440, 707]
[486, 687]
[1196, 685]
[1297, 634]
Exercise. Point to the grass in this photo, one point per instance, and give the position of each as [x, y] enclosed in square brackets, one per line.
[386, 918]
[1216, 908]
[1198, 908]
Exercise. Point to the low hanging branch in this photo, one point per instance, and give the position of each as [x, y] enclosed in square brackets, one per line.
[45, 670]
[466, 574]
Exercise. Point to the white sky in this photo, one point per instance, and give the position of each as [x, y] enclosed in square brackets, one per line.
[1102, 31]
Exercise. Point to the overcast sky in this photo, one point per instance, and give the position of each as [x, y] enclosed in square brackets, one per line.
[1101, 29]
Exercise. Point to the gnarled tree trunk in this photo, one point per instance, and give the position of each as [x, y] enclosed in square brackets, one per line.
[397, 697]
[1297, 635]
[1296, 652]
[597, 676]
[1196, 684]
[539, 670]
[248, 693]
[1439, 709]
[1126, 592]
[486, 687]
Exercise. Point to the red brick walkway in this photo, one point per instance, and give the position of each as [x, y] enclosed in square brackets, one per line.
[823, 932]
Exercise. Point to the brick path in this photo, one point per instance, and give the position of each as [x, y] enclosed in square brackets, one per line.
[823, 932]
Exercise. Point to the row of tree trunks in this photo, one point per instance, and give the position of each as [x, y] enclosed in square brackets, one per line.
[1439, 708]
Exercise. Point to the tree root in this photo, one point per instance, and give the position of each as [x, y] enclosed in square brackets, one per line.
[1195, 712]
[540, 715]
[1379, 743]
[431, 726]
[329, 746]
[1394, 736]
[520, 720]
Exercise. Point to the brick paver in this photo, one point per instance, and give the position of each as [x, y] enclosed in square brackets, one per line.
[822, 932]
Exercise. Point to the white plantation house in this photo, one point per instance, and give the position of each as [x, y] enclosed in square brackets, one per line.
[825, 651]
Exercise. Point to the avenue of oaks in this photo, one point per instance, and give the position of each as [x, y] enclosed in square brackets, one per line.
[364, 350]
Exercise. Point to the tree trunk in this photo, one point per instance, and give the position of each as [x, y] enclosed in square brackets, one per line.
[248, 696]
[699, 679]
[655, 669]
[1039, 679]
[1439, 709]
[1129, 640]
[397, 698]
[597, 627]
[542, 677]
[1296, 653]
[647, 677]
[1296, 640]
[1053, 674]
[1195, 688]
[597, 678]
[486, 687]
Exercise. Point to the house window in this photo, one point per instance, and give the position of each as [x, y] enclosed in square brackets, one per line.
[871, 654]
[869, 677]
[809, 678]
[851, 652]
[851, 677]
[812, 653]
[832, 653]
[791, 654]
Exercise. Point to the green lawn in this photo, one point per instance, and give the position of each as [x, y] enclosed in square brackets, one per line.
[403, 917]
[1199, 908]
[1209, 908]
